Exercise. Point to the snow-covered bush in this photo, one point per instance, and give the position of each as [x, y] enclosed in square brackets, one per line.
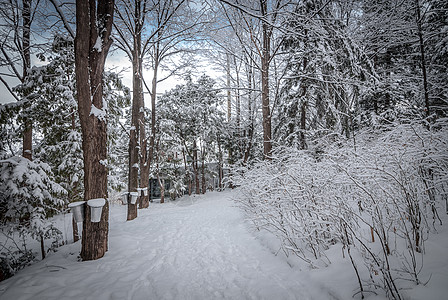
[380, 196]
[28, 196]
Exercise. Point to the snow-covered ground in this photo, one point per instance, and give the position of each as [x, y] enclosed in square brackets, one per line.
[197, 247]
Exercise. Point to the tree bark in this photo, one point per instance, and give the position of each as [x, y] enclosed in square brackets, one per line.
[137, 140]
[42, 246]
[187, 172]
[153, 107]
[75, 231]
[220, 165]
[249, 110]
[229, 96]
[422, 58]
[28, 127]
[133, 168]
[203, 174]
[144, 163]
[303, 124]
[265, 61]
[195, 168]
[93, 25]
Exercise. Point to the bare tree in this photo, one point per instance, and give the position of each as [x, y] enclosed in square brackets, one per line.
[267, 13]
[175, 24]
[131, 17]
[147, 38]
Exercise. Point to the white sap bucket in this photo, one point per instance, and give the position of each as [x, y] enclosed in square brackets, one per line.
[96, 208]
[77, 209]
[145, 191]
[125, 198]
[134, 196]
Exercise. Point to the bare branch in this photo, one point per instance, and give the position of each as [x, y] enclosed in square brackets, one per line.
[9, 88]
[63, 18]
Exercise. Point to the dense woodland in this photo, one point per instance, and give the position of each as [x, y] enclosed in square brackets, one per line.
[330, 116]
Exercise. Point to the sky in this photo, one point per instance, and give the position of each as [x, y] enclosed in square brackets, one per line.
[5, 96]
[117, 62]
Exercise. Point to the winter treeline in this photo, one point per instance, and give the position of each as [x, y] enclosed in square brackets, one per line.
[333, 66]
[358, 105]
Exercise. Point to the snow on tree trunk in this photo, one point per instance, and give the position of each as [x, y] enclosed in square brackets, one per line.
[93, 22]
[265, 59]
[133, 182]
[28, 128]
[203, 174]
[195, 168]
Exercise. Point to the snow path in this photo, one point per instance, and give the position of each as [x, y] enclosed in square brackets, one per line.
[194, 248]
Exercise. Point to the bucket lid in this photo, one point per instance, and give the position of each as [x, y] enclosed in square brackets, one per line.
[76, 203]
[99, 202]
[134, 193]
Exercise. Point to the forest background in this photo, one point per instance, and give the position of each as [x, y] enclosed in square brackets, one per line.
[329, 115]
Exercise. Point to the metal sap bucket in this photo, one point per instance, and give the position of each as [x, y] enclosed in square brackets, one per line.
[96, 208]
[77, 209]
[145, 191]
[134, 196]
[125, 197]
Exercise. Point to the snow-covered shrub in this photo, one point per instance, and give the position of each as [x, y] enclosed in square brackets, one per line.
[27, 189]
[379, 196]
[177, 187]
[293, 196]
[28, 196]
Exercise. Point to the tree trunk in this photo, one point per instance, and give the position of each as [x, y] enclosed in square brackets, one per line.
[75, 231]
[75, 188]
[137, 117]
[28, 127]
[203, 174]
[195, 168]
[303, 125]
[229, 96]
[249, 109]
[138, 88]
[265, 61]
[422, 58]
[162, 188]
[144, 166]
[153, 109]
[238, 98]
[220, 165]
[93, 24]
[133, 168]
[42, 246]
[187, 172]
[28, 140]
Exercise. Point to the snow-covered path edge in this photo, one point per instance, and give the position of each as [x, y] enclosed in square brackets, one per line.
[198, 247]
